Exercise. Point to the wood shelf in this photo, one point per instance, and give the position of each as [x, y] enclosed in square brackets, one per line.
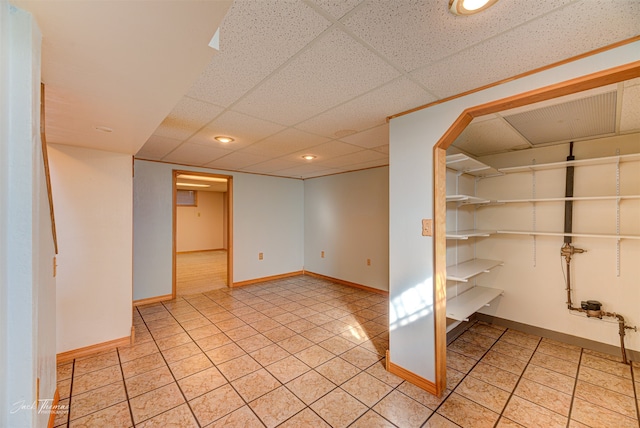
[470, 233]
[582, 162]
[467, 200]
[462, 306]
[575, 235]
[467, 165]
[464, 271]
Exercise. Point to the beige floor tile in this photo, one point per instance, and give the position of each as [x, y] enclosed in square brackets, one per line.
[129, 353]
[514, 351]
[607, 366]
[609, 381]
[507, 423]
[96, 379]
[337, 370]
[215, 404]
[179, 417]
[279, 333]
[225, 353]
[64, 388]
[378, 370]
[300, 325]
[148, 381]
[214, 341]
[488, 330]
[524, 340]
[576, 424]
[485, 342]
[338, 408]
[154, 402]
[242, 417]
[495, 376]
[360, 357]
[317, 334]
[202, 382]
[337, 345]
[229, 323]
[305, 418]
[606, 398]
[423, 397]
[97, 399]
[549, 378]
[265, 325]
[544, 396]
[468, 349]
[193, 323]
[255, 384]
[489, 396]
[314, 355]
[238, 367]
[276, 406]
[562, 352]
[166, 331]
[115, 416]
[460, 362]
[62, 413]
[617, 357]
[241, 332]
[467, 413]
[569, 368]
[64, 371]
[172, 341]
[295, 343]
[181, 352]
[189, 366]
[531, 415]
[86, 365]
[287, 369]
[253, 343]
[596, 416]
[371, 419]
[402, 410]
[310, 386]
[269, 355]
[204, 331]
[142, 365]
[366, 388]
[438, 421]
[454, 377]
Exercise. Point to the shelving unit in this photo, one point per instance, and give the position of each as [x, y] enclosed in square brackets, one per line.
[581, 162]
[464, 296]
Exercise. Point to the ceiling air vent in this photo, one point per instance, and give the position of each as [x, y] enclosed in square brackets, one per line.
[587, 117]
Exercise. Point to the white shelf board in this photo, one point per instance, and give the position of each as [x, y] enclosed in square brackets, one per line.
[470, 233]
[462, 306]
[466, 199]
[465, 270]
[581, 162]
[467, 165]
[574, 198]
[575, 235]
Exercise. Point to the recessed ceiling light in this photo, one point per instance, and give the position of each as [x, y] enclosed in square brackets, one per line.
[308, 157]
[103, 129]
[192, 185]
[223, 139]
[202, 178]
[469, 7]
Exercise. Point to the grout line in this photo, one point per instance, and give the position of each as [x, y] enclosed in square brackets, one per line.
[573, 391]
[126, 391]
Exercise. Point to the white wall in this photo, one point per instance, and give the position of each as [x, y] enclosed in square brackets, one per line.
[532, 275]
[201, 227]
[93, 200]
[27, 286]
[347, 217]
[267, 217]
[412, 138]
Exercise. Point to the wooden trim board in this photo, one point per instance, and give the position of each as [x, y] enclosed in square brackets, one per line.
[151, 300]
[93, 349]
[410, 377]
[348, 283]
[266, 278]
[54, 405]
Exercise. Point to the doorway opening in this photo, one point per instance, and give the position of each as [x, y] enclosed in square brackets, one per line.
[202, 232]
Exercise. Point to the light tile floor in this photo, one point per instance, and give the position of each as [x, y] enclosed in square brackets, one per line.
[304, 352]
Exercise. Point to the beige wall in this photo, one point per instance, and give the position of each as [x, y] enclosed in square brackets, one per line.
[202, 227]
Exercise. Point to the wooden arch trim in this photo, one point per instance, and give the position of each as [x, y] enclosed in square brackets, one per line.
[595, 80]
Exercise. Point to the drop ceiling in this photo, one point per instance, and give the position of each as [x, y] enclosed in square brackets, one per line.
[295, 77]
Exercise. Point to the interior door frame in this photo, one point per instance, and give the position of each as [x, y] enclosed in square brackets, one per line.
[590, 81]
[229, 213]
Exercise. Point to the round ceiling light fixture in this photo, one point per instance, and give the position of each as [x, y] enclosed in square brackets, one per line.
[308, 157]
[223, 139]
[469, 7]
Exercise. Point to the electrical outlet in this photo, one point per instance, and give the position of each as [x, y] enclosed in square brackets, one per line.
[260, 256]
[368, 262]
[322, 254]
[427, 227]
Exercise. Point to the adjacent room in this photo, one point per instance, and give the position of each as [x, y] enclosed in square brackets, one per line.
[291, 213]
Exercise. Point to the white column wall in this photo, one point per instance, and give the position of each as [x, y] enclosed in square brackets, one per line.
[92, 193]
[347, 217]
[412, 138]
[27, 286]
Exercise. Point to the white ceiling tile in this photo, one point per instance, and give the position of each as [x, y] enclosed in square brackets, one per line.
[324, 151]
[370, 138]
[271, 166]
[318, 79]
[194, 154]
[245, 130]
[337, 8]
[237, 160]
[187, 117]
[367, 165]
[415, 33]
[370, 109]
[301, 171]
[286, 142]
[577, 28]
[630, 118]
[489, 136]
[362, 156]
[329, 171]
[256, 37]
[157, 147]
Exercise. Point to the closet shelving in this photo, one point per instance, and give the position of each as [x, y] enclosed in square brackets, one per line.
[473, 297]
